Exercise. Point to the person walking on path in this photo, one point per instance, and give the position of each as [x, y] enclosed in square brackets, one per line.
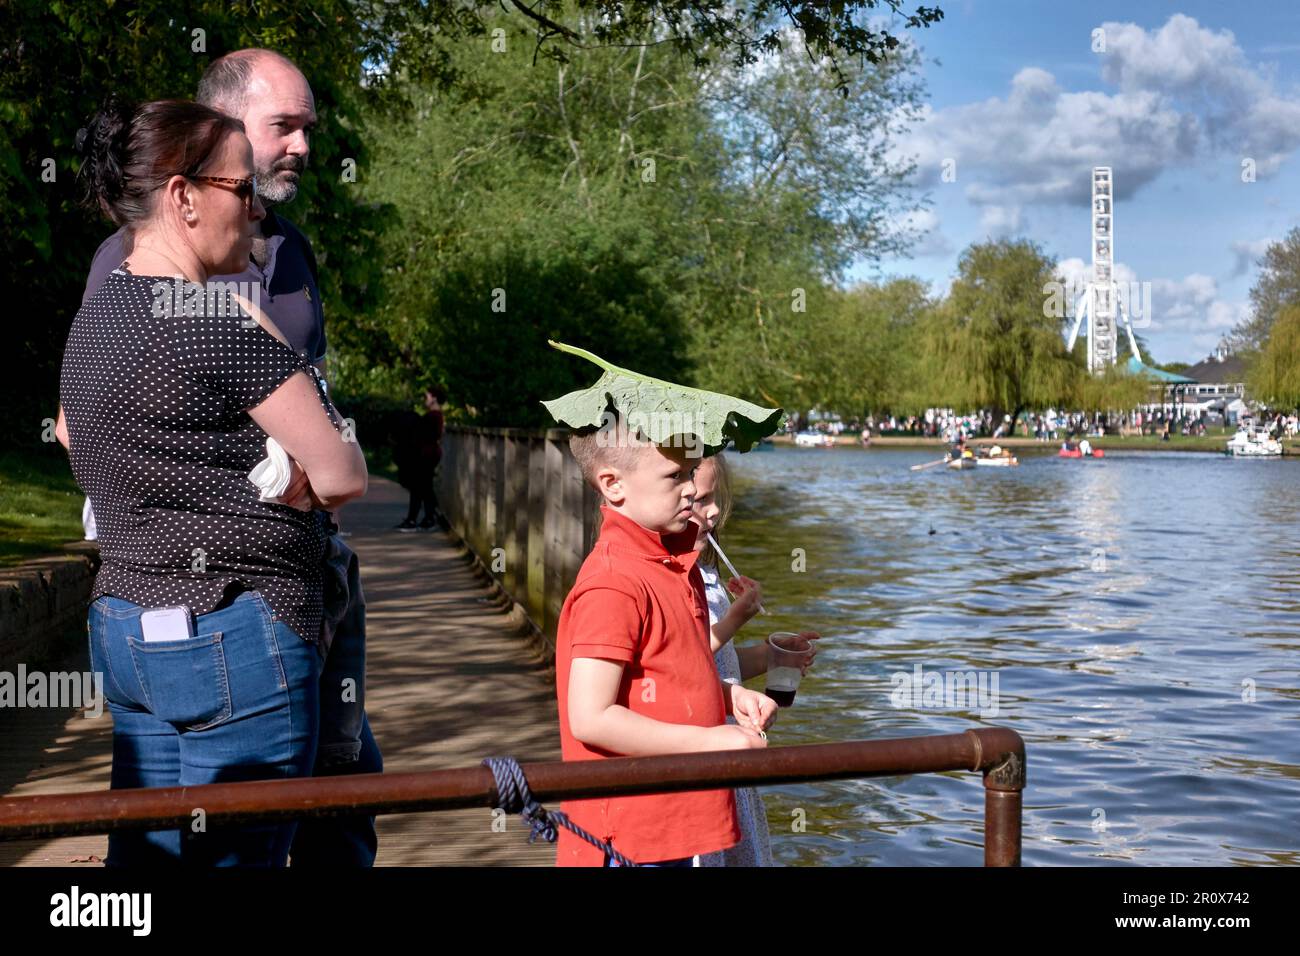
[418, 453]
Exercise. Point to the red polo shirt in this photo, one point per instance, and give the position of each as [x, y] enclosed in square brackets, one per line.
[635, 600]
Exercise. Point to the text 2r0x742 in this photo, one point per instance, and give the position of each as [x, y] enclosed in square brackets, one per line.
[1220, 898]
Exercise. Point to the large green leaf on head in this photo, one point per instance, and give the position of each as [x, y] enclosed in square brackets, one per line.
[663, 409]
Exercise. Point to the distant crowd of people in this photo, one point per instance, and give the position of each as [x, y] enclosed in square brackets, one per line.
[1048, 426]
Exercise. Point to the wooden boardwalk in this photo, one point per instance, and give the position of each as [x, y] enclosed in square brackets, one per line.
[451, 678]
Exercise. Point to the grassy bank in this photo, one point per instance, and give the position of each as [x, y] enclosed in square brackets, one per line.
[40, 504]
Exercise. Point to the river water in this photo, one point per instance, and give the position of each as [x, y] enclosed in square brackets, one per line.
[1136, 619]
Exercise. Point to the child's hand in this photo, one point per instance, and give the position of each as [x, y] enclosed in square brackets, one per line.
[811, 637]
[751, 709]
[735, 737]
[749, 595]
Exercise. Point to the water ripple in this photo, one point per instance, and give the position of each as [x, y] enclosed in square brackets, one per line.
[1139, 615]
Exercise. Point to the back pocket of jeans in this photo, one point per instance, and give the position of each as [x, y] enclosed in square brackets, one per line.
[185, 682]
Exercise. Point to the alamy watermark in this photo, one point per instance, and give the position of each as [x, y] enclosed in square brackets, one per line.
[678, 430]
[181, 298]
[60, 689]
[74, 908]
[945, 690]
[1061, 299]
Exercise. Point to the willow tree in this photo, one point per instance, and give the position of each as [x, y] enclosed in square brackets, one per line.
[1274, 373]
[998, 344]
[1117, 387]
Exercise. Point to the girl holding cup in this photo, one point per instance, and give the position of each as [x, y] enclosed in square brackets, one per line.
[735, 665]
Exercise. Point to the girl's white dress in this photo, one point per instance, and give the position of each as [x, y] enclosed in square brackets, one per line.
[754, 848]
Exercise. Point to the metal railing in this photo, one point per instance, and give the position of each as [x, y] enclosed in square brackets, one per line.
[997, 753]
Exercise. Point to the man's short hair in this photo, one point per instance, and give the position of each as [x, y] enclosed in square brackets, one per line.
[224, 85]
[598, 446]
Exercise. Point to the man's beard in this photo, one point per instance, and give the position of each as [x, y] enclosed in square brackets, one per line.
[274, 189]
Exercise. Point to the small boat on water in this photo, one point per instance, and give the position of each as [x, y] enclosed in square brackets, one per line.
[1076, 453]
[1253, 442]
[997, 457]
[814, 440]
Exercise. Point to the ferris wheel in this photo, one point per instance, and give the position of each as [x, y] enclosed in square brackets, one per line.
[1101, 304]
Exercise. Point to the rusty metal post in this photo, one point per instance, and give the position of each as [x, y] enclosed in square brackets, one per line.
[1004, 784]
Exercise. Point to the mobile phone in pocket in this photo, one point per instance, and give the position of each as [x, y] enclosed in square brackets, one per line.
[167, 624]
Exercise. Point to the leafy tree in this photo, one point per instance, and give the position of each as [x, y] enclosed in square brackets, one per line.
[701, 32]
[1273, 374]
[999, 347]
[869, 349]
[526, 213]
[1115, 388]
[804, 185]
[58, 59]
[1276, 287]
[607, 201]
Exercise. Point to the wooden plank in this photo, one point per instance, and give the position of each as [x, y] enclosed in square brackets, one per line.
[555, 543]
[536, 548]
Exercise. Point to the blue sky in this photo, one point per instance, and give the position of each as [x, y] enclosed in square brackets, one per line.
[1179, 97]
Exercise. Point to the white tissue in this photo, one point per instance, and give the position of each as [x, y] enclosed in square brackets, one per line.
[88, 521]
[271, 474]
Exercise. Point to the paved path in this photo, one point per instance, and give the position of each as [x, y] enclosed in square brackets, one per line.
[451, 678]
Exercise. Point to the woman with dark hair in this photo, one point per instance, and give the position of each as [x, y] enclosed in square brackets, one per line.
[207, 603]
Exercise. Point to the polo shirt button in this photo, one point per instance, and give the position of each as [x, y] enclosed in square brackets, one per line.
[668, 560]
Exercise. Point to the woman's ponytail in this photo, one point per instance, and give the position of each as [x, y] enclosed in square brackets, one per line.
[129, 152]
[103, 147]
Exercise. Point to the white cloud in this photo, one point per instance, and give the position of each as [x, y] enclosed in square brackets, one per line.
[1039, 145]
[1001, 220]
[1182, 93]
[1180, 57]
[1206, 72]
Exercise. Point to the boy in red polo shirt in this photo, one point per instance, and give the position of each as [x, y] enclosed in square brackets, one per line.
[634, 672]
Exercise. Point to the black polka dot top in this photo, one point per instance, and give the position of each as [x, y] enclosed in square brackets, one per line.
[162, 445]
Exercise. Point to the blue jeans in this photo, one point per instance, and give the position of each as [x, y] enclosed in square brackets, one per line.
[346, 744]
[236, 702]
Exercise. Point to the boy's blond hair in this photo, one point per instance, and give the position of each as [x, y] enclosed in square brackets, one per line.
[597, 446]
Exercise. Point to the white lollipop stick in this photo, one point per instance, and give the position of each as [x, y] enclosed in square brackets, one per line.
[730, 567]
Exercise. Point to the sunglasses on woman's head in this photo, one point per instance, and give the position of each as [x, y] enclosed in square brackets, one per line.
[245, 189]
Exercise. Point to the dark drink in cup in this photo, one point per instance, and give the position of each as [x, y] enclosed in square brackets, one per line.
[786, 652]
[783, 698]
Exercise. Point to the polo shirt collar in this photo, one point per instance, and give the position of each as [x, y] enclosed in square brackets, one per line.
[623, 534]
[273, 231]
